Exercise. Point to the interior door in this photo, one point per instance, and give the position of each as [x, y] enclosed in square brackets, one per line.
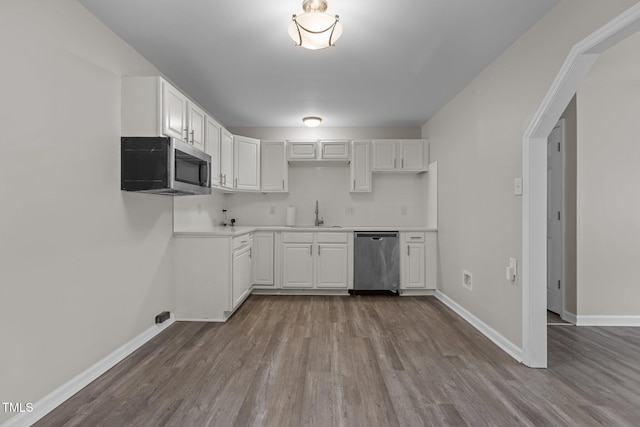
[555, 196]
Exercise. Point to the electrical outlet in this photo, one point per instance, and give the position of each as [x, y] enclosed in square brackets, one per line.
[517, 187]
[403, 210]
[348, 210]
[467, 280]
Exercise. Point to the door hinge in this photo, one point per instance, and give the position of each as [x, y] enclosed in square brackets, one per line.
[558, 215]
[558, 284]
[558, 146]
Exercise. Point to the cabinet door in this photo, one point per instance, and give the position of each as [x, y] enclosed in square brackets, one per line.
[274, 171]
[360, 167]
[297, 262]
[334, 150]
[332, 268]
[384, 155]
[302, 150]
[226, 159]
[246, 163]
[241, 274]
[263, 244]
[174, 112]
[212, 148]
[197, 123]
[412, 155]
[414, 273]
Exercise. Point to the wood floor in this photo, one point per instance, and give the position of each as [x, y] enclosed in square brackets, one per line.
[360, 361]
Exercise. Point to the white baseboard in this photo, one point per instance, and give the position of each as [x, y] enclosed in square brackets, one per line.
[330, 292]
[417, 292]
[569, 317]
[197, 319]
[507, 346]
[587, 320]
[54, 399]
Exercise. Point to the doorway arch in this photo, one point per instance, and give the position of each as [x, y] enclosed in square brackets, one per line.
[534, 171]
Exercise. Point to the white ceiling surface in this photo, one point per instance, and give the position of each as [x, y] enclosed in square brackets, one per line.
[397, 63]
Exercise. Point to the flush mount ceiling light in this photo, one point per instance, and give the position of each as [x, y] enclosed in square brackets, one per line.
[315, 29]
[311, 122]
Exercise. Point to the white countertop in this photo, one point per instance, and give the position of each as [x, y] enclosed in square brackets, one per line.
[240, 230]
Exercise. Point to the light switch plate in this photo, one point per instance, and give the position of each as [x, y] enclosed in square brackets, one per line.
[348, 210]
[517, 187]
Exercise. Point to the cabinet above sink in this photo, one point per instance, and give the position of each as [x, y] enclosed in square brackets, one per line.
[318, 152]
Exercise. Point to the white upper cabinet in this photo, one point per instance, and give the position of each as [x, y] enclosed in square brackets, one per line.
[338, 149]
[360, 167]
[246, 163]
[197, 121]
[384, 155]
[327, 151]
[409, 155]
[274, 171]
[212, 134]
[302, 150]
[174, 112]
[151, 106]
[226, 159]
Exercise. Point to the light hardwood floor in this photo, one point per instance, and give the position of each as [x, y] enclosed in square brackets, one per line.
[359, 361]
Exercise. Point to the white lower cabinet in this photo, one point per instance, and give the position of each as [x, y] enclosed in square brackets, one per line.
[212, 275]
[242, 270]
[263, 259]
[316, 260]
[418, 260]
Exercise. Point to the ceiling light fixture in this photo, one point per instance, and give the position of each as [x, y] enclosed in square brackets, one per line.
[315, 29]
[311, 122]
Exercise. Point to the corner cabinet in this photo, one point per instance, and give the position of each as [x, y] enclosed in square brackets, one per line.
[246, 163]
[402, 155]
[274, 171]
[360, 170]
[214, 275]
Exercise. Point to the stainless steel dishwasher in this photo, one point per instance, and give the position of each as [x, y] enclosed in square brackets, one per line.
[376, 261]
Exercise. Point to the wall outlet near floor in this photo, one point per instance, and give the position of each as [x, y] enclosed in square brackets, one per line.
[403, 210]
[467, 280]
[348, 210]
[512, 269]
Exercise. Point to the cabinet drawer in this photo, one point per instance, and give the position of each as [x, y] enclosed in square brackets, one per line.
[240, 241]
[415, 237]
[297, 237]
[331, 237]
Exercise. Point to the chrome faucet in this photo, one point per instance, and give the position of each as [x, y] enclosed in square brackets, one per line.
[319, 221]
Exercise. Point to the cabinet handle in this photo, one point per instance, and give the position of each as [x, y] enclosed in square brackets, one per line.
[311, 250]
[354, 184]
[192, 137]
[402, 164]
[186, 132]
[394, 163]
[235, 183]
[415, 237]
[250, 252]
[220, 179]
[408, 250]
[319, 250]
[283, 184]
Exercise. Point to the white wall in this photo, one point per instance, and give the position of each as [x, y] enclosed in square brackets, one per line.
[477, 140]
[85, 267]
[608, 233]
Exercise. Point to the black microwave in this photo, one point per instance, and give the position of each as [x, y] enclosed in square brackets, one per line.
[162, 165]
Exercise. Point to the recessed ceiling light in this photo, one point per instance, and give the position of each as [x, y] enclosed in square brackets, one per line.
[311, 121]
[315, 29]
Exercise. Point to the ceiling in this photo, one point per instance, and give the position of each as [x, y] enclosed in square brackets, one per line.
[397, 63]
